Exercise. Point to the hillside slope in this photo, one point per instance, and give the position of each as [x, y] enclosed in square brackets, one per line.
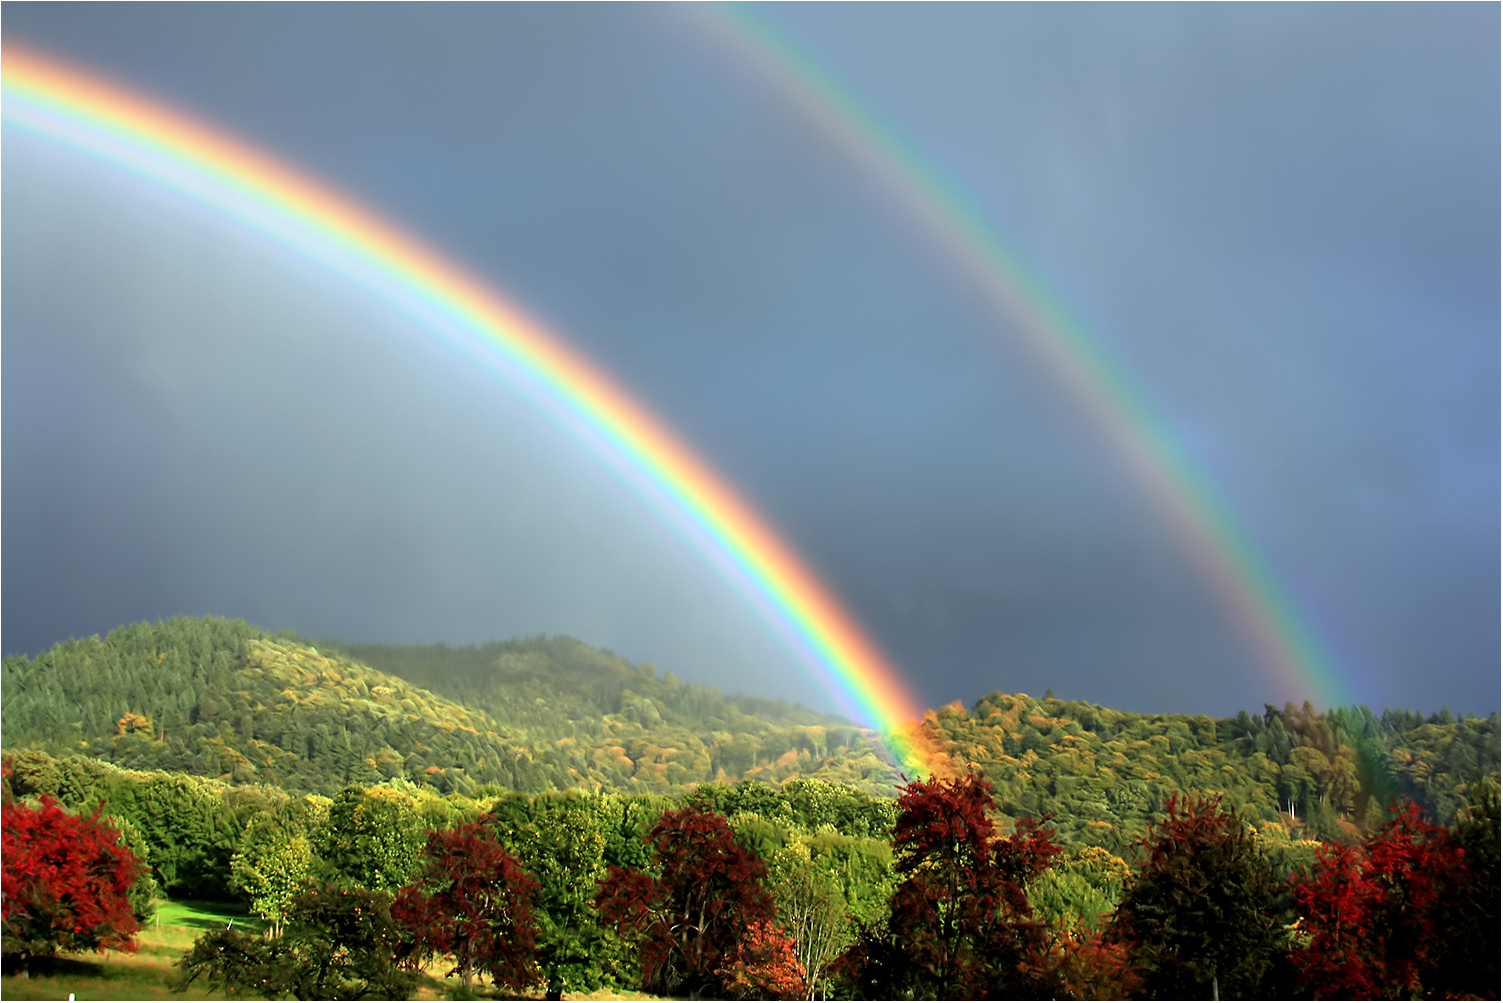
[1104, 774]
[559, 693]
[220, 698]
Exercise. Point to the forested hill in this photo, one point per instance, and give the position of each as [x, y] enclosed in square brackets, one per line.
[508, 678]
[220, 698]
[1104, 774]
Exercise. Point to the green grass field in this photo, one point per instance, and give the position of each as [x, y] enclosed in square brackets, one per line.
[144, 975]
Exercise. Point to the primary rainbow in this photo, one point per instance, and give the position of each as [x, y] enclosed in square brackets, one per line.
[68, 108]
[1296, 658]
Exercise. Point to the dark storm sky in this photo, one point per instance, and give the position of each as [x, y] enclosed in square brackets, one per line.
[1282, 220]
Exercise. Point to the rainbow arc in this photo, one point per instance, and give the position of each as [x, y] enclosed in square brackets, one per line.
[68, 108]
[1294, 655]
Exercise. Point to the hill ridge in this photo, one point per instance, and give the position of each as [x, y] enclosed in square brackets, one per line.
[220, 698]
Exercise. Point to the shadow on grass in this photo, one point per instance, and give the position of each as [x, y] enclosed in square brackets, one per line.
[57, 967]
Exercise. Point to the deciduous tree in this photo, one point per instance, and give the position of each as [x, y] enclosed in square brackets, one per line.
[373, 839]
[961, 925]
[1081, 891]
[66, 881]
[1084, 965]
[271, 866]
[340, 944]
[562, 846]
[763, 966]
[812, 910]
[472, 903]
[689, 916]
[1201, 917]
[1391, 917]
[1469, 961]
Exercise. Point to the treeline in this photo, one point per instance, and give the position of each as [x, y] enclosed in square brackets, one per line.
[188, 829]
[207, 839]
[220, 698]
[748, 891]
[1104, 776]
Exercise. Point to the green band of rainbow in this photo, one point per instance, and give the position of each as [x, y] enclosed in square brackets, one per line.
[67, 108]
[1296, 659]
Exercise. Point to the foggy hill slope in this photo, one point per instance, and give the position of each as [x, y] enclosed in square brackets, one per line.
[663, 732]
[221, 698]
[548, 682]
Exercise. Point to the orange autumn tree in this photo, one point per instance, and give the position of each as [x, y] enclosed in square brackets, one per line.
[763, 966]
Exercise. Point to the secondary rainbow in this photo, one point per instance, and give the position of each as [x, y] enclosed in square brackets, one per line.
[66, 107]
[1286, 642]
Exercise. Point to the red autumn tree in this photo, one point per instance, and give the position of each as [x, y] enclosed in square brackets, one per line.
[1377, 917]
[689, 919]
[65, 882]
[961, 925]
[1336, 915]
[472, 903]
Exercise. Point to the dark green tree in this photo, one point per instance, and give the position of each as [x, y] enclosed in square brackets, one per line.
[1201, 919]
[562, 846]
[341, 945]
[1469, 962]
[184, 823]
